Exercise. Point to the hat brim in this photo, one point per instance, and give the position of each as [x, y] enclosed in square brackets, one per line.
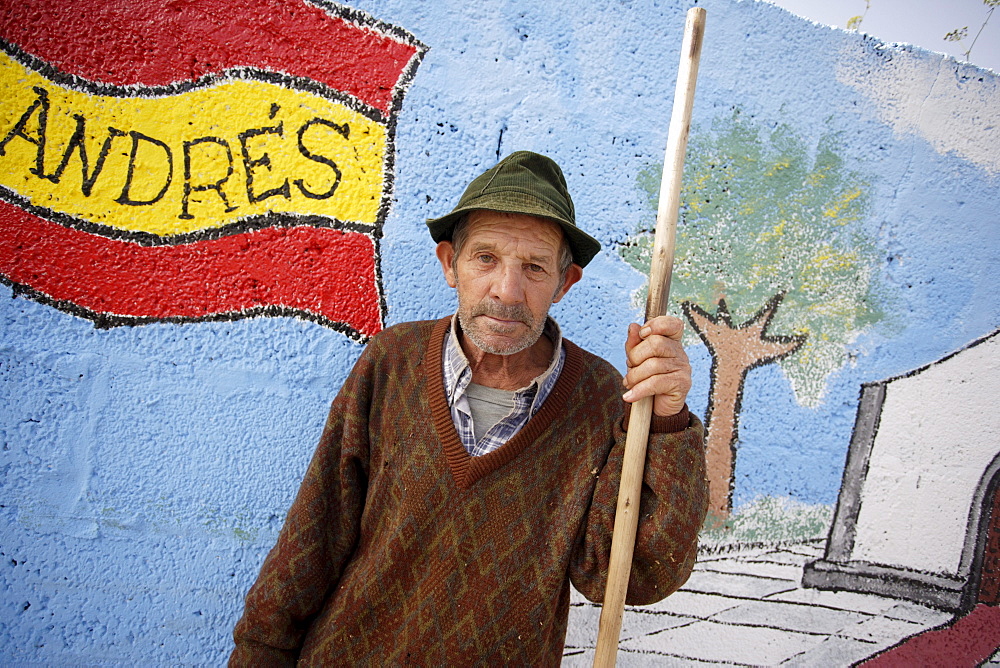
[582, 246]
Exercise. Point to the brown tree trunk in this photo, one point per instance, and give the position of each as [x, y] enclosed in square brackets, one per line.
[735, 350]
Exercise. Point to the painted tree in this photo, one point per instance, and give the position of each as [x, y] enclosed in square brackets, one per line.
[770, 238]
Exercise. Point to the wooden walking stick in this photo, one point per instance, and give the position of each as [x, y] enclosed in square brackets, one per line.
[627, 513]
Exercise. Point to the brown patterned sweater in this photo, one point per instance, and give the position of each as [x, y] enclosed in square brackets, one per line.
[400, 548]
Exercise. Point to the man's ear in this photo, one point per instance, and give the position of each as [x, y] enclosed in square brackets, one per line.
[573, 274]
[446, 254]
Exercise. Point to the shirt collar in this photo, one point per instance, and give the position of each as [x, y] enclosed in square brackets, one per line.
[458, 372]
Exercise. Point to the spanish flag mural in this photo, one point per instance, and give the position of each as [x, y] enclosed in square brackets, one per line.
[233, 159]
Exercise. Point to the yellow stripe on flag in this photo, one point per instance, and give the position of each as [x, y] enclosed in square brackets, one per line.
[190, 161]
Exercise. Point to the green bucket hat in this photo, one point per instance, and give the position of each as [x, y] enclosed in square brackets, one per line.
[526, 183]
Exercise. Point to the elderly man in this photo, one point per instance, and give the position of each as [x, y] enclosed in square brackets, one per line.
[469, 468]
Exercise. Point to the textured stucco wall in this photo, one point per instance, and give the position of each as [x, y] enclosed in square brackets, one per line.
[147, 466]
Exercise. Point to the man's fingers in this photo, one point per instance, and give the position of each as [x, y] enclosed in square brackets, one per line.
[653, 347]
[657, 364]
[654, 387]
[663, 325]
[669, 393]
[633, 339]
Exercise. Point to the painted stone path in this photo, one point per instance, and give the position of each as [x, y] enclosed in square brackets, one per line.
[748, 608]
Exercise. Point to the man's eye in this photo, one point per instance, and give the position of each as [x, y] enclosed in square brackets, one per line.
[536, 268]
[484, 259]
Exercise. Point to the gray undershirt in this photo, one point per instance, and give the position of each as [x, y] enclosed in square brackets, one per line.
[488, 406]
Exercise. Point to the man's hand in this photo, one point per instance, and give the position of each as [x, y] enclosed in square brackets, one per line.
[657, 365]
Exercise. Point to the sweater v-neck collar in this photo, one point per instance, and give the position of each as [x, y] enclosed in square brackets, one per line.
[465, 468]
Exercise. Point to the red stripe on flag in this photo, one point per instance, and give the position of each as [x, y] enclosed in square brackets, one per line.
[154, 44]
[311, 270]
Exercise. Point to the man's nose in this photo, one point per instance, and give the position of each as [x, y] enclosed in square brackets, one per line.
[509, 285]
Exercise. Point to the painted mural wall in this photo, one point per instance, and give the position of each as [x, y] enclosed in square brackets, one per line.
[905, 463]
[207, 207]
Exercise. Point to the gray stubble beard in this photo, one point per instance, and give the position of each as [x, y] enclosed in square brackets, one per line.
[518, 313]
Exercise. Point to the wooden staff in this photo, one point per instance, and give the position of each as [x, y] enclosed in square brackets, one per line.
[627, 514]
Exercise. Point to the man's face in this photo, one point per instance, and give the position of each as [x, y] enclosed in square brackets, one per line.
[507, 276]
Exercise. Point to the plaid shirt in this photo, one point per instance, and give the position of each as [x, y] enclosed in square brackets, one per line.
[527, 400]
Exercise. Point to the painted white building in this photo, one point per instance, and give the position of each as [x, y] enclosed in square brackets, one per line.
[918, 500]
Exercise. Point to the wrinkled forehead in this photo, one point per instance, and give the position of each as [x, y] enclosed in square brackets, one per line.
[514, 230]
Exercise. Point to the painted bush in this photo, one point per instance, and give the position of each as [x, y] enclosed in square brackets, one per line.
[236, 200]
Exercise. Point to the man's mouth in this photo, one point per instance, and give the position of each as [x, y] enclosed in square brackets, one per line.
[502, 323]
[503, 316]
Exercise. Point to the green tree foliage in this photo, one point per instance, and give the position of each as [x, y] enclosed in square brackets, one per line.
[763, 215]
